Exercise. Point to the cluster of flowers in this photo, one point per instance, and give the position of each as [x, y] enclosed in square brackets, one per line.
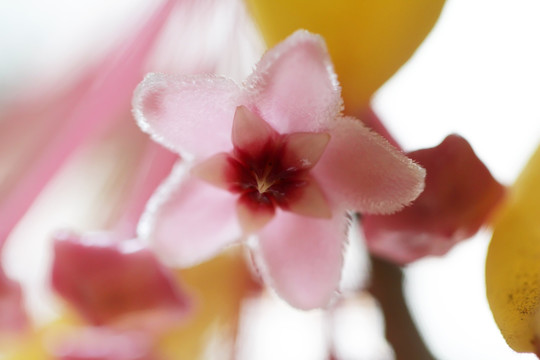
[280, 163]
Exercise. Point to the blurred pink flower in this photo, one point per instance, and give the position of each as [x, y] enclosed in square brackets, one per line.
[459, 197]
[67, 121]
[292, 164]
[110, 281]
[13, 317]
[101, 343]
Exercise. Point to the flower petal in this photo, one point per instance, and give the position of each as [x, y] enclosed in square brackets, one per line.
[303, 257]
[250, 133]
[362, 171]
[310, 201]
[13, 317]
[191, 115]
[187, 220]
[512, 266]
[459, 197]
[253, 213]
[214, 170]
[294, 86]
[101, 343]
[303, 150]
[109, 281]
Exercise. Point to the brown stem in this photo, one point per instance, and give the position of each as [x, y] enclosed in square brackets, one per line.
[401, 332]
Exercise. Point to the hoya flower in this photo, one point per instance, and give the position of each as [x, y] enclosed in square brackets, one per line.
[101, 343]
[274, 158]
[13, 317]
[109, 281]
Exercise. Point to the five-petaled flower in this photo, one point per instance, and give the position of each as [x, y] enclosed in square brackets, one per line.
[274, 158]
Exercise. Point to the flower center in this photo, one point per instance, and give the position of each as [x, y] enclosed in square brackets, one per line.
[262, 176]
[268, 170]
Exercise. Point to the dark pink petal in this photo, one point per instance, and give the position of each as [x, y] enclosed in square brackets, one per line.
[459, 196]
[188, 221]
[294, 87]
[303, 257]
[13, 317]
[101, 343]
[254, 214]
[309, 200]
[108, 281]
[303, 150]
[191, 115]
[250, 133]
[361, 171]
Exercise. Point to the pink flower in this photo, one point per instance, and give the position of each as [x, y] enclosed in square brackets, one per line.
[109, 281]
[13, 317]
[102, 343]
[274, 158]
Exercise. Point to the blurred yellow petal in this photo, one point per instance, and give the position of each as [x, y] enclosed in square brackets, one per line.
[218, 287]
[513, 263]
[368, 39]
[31, 347]
[33, 344]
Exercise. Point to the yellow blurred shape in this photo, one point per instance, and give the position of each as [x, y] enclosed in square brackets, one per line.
[513, 263]
[369, 40]
[218, 288]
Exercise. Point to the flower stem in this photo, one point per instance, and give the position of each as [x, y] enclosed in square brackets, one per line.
[401, 332]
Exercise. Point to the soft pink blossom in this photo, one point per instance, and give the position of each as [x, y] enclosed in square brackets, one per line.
[13, 317]
[102, 343]
[109, 281]
[272, 157]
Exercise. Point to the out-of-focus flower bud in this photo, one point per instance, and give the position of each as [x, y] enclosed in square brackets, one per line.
[459, 197]
[109, 282]
[513, 263]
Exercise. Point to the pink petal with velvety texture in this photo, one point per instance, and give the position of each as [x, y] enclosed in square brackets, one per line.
[310, 201]
[303, 257]
[294, 87]
[189, 114]
[253, 214]
[214, 170]
[188, 220]
[250, 133]
[303, 150]
[361, 171]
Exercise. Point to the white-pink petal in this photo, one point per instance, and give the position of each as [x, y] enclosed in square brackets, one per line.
[190, 114]
[363, 172]
[303, 257]
[188, 221]
[294, 87]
